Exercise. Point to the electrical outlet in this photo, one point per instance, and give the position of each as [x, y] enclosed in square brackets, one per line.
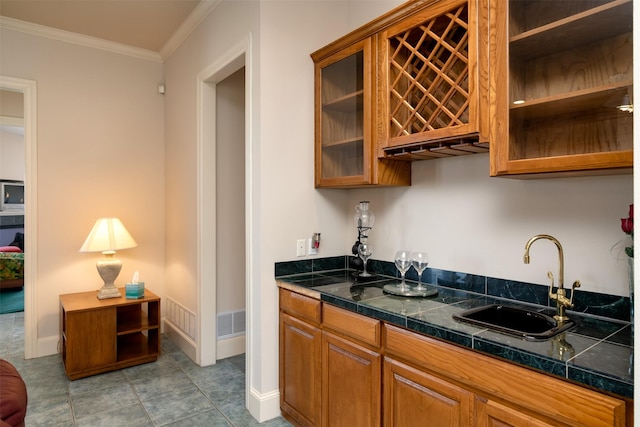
[311, 250]
[300, 247]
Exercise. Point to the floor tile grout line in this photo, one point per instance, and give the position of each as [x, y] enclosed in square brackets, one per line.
[208, 398]
[144, 408]
[14, 342]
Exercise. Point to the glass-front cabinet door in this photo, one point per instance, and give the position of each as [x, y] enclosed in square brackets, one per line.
[343, 117]
[563, 86]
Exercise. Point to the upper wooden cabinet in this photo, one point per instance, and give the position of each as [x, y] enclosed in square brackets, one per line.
[433, 82]
[546, 90]
[412, 84]
[344, 127]
[561, 86]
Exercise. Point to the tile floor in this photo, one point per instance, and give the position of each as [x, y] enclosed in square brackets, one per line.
[173, 391]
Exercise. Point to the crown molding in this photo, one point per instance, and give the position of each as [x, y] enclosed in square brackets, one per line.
[197, 15]
[69, 37]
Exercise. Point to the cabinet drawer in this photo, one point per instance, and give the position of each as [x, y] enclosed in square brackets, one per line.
[300, 306]
[354, 325]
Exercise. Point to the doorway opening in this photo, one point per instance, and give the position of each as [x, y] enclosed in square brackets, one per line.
[230, 214]
[223, 211]
[28, 90]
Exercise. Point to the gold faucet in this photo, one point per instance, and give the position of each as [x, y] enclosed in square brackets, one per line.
[562, 302]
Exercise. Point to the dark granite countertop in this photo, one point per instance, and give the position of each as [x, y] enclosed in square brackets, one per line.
[597, 352]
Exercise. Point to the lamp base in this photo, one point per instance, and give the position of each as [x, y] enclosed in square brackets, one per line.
[109, 268]
[109, 292]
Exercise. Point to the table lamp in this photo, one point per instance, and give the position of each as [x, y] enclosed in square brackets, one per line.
[108, 235]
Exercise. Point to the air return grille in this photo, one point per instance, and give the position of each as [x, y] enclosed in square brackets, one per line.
[231, 323]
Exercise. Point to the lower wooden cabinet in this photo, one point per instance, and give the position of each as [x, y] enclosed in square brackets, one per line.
[351, 383]
[413, 398]
[300, 370]
[339, 368]
[300, 340]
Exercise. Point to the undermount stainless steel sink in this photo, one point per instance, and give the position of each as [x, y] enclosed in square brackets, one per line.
[520, 322]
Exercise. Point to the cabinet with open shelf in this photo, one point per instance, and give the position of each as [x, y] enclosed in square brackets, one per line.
[563, 87]
[103, 335]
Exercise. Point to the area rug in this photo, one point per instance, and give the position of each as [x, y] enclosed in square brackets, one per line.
[11, 301]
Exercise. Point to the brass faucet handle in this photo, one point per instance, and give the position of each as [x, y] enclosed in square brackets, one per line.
[575, 285]
[550, 276]
[562, 298]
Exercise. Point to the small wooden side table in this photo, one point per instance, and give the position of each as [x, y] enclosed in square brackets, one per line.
[104, 335]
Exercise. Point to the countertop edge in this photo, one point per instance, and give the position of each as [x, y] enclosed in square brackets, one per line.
[299, 289]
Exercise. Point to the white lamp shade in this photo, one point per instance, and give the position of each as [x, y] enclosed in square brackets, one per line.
[108, 234]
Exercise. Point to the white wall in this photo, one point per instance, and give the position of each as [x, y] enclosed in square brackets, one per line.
[229, 24]
[100, 153]
[472, 223]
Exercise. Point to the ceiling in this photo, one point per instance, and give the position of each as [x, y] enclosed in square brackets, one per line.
[145, 24]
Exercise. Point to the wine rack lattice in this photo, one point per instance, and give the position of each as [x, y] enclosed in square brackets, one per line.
[429, 75]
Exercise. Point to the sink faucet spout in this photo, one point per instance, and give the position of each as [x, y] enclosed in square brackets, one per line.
[562, 302]
[560, 255]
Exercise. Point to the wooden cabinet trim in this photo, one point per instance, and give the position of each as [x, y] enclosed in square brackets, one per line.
[354, 325]
[377, 25]
[554, 398]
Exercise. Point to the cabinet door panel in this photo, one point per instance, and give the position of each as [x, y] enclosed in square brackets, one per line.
[300, 370]
[351, 378]
[415, 398]
[91, 339]
[493, 414]
[343, 117]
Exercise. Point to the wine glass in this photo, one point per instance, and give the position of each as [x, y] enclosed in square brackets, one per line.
[365, 251]
[403, 263]
[420, 260]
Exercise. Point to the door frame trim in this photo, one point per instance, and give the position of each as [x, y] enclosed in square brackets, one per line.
[29, 91]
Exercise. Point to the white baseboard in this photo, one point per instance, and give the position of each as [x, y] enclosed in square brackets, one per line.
[178, 337]
[230, 347]
[265, 406]
[48, 346]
